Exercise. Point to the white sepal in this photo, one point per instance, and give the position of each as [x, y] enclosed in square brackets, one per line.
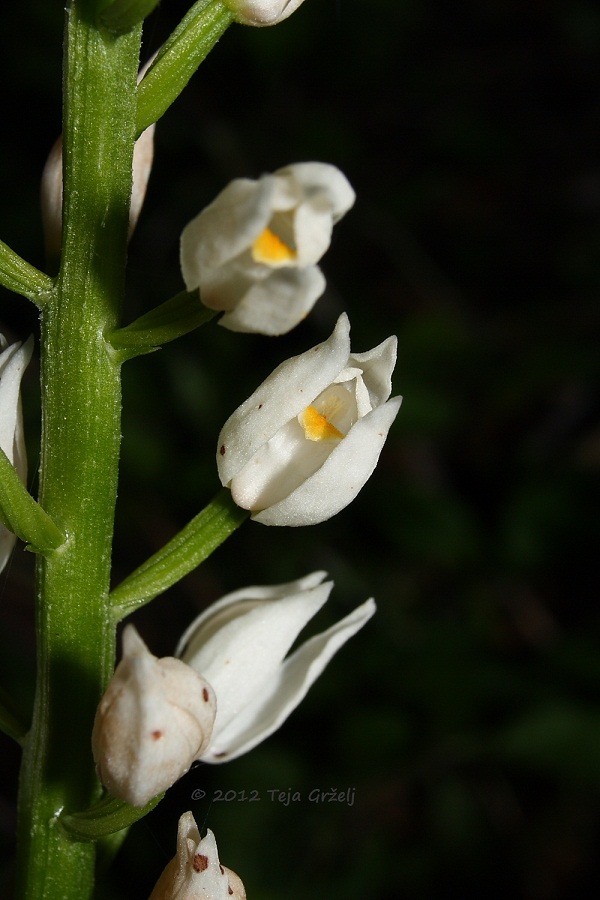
[240, 644]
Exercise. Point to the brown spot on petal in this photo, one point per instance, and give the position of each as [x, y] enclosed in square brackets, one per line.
[222, 869]
[222, 449]
[200, 862]
[229, 889]
[221, 755]
[156, 735]
[205, 694]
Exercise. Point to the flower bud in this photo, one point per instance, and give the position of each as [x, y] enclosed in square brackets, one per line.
[154, 720]
[262, 12]
[195, 873]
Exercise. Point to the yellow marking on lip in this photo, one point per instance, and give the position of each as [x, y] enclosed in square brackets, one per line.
[317, 427]
[270, 249]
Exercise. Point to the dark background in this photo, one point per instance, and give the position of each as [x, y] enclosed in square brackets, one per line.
[466, 715]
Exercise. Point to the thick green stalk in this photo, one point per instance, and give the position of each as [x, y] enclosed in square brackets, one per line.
[81, 402]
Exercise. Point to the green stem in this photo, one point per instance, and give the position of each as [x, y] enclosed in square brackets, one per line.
[81, 399]
[190, 547]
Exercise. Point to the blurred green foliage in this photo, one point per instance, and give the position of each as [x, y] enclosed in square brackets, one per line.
[467, 714]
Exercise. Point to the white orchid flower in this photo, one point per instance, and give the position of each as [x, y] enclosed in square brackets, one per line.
[195, 872]
[253, 252]
[306, 441]
[154, 720]
[13, 362]
[239, 644]
[262, 12]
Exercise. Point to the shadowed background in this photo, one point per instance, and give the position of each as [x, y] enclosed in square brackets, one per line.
[466, 715]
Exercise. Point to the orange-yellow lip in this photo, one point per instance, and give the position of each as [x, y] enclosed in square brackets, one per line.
[270, 249]
[317, 427]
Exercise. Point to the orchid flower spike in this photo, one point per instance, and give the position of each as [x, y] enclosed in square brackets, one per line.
[13, 362]
[253, 252]
[154, 720]
[262, 12]
[306, 441]
[239, 644]
[195, 872]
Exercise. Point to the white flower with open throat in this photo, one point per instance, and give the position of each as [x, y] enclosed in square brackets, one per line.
[304, 444]
[253, 252]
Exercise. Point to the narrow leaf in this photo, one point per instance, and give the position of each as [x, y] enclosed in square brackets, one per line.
[177, 316]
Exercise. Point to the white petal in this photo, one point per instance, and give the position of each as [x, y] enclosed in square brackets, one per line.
[342, 475]
[225, 228]
[313, 227]
[293, 679]
[377, 366]
[324, 180]
[143, 155]
[13, 362]
[243, 654]
[278, 303]
[226, 609]
[278, 468]
[282, 396]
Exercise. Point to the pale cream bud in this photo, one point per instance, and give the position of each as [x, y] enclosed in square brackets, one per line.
[195, 873]
[51, 193]
[51, 200]
[154, 720]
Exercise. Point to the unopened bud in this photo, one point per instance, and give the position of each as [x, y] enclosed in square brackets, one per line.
[51, 193]
[154, 720]
[195, 873]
